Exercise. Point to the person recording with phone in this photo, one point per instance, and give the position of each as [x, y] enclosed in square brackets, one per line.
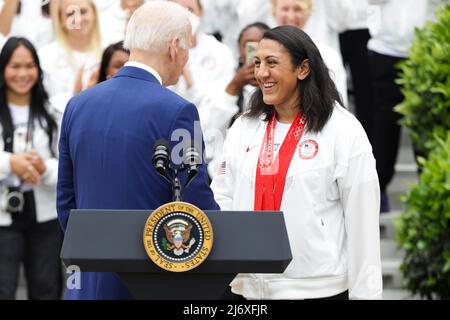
[29, 229]
[243, 83]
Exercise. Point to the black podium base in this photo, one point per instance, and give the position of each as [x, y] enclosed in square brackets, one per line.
[177, 286]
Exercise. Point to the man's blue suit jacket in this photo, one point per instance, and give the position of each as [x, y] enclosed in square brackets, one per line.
[105, 157]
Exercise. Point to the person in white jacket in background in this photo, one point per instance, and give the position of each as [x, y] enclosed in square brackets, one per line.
[27, 18]
[209, 69]
[229, 17]
[391, 25]
[104, 5]
[320, 25]
[113, 22]
[349, 19]
[299, 151]
[297, 13]
[69, 61]
[29, 228]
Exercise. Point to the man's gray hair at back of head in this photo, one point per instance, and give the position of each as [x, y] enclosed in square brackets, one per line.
[155, 24]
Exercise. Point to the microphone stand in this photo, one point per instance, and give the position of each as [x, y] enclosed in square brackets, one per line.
[176, 187]
[170, 174]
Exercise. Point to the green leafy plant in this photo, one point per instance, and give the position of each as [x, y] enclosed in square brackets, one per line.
[425, 81]
[423, 230]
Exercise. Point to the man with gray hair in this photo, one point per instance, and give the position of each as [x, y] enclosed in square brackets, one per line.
[108, 133]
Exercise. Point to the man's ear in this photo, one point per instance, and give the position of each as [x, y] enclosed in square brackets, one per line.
[173, 48]
[303, 70]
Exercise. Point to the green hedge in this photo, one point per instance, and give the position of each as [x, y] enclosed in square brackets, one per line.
[423, 230]
[425, 82]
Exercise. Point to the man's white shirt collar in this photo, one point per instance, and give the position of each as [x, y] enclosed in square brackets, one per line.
[145, 67]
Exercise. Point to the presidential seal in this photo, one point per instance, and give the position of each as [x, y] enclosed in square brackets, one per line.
[178, 237]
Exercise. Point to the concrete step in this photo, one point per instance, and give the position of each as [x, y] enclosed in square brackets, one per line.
[22, 281]
[392, 276]
[387, 226]
[398, 294]
[390, 250]
[405, 167]
[405, 140]
[405, 177]
[21, 293]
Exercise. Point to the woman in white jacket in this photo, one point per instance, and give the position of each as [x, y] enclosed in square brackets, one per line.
[299, 152]
[69, 61]
[29, 229]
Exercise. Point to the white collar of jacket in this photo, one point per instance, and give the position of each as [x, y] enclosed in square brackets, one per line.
[144, 67]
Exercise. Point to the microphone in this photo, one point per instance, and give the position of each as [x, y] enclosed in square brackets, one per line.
[161, 157]
[192, 161]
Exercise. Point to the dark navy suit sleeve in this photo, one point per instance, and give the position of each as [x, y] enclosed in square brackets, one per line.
[65, 193]
[187, 127]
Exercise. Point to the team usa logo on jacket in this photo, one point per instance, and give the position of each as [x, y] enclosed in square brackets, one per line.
[178, 237]
[308, 149]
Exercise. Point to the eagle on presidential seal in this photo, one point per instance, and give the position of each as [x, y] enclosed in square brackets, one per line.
[178, 234]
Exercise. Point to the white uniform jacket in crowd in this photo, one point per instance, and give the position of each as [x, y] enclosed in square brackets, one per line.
[346, 15]
[45, 193]
[229, 17]
[31, 24]
[318, 26]
[61, 71]
[105, 5]
[113, 24]
[330, 204]
[392, 23]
